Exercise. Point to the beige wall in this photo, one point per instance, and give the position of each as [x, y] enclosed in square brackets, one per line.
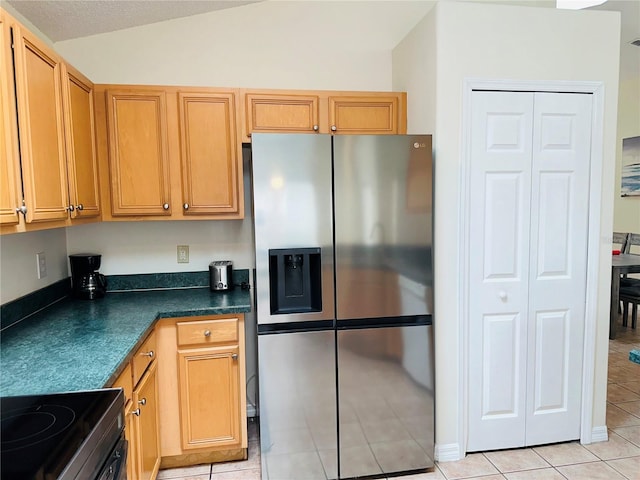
[627, 209]
[514, 43]
[303, 45]
[282, 44]
[18, 264]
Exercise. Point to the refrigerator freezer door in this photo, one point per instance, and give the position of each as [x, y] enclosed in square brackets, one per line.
[383, 226]
[298, 436]
[386, 401]
[292, 203]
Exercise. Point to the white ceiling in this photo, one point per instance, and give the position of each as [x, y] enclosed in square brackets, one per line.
[66, 19]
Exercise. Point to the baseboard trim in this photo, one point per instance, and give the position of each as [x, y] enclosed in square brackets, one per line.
[599, 434]
[448, 452]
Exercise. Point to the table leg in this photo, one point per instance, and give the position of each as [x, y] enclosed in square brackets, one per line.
[615, 303]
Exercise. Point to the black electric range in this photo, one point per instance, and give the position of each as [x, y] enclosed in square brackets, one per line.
[75, 435]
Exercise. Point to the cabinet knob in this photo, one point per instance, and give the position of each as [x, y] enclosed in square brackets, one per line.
[70, 208]
[207, 333]
[80, 207]
[333, 128]
[136, 412]
[22, 209]
[315, 128]
[503, 295]
[143, 401]
[234, 356]
[185, 206]
[249, 134]
[149, 354]
[165, 206]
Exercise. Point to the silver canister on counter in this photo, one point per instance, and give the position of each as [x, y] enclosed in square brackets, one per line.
[221, 275]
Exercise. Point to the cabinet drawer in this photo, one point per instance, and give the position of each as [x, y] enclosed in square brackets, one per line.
[207, 332]
[143, 357]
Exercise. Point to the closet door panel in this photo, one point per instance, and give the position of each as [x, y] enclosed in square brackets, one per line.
[558, 259]
[498, 283]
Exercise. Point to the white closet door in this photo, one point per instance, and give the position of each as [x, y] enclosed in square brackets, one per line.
[499, 267]
[529, 204]
[558, 265]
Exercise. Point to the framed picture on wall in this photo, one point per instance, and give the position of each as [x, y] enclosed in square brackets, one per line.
[630, 167]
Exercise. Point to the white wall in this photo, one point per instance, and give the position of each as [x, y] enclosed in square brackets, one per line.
[627, 209]
[303, 45]
[18, 265]
[501, 42]
[281, 44]
[414, 72]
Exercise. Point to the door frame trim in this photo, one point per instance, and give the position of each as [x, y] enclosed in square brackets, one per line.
[593, 242]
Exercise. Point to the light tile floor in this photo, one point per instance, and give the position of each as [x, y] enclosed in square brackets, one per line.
[619, 458]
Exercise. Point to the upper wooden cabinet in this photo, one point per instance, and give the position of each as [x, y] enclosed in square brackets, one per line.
[209, 153]
[49, 170]
[82, 165]
[41, 128]
[322, 111]
[171, 153]
[358, 114]
[10, 195]
[276, 113]
[138, 152]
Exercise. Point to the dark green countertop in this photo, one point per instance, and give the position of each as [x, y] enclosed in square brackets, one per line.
[82, 344]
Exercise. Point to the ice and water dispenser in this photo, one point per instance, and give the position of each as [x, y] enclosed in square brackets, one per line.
[295, 280]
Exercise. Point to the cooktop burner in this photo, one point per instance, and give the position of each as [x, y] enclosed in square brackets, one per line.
[41, 434]
[33, 424]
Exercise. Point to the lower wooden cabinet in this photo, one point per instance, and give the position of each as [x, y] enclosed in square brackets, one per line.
[141, 428]
[201, 375]
[185, 395]
[209, 397]
[147, 436]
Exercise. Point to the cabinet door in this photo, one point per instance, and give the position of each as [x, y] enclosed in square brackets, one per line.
[80, 137]
[209, 384]
[10, 195]
[41, 128]
[145, 397]
[131, 435]
[138, 152]
[281, 113]
[211, 170]
[366, 114]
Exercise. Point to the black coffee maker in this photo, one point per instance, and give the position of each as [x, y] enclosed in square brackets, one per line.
[86, 282]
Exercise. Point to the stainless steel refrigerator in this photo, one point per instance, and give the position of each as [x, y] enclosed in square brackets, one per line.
[344, 302]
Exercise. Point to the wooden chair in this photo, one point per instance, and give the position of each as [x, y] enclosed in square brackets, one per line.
[630, 287]
[633, 240]
[630, 298]
[621, 239]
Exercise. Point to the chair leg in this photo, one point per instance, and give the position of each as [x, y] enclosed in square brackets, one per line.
[625, 313]
[634, 315]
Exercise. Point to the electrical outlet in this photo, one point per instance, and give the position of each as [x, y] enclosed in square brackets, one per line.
[41, 262]
[183, 253]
